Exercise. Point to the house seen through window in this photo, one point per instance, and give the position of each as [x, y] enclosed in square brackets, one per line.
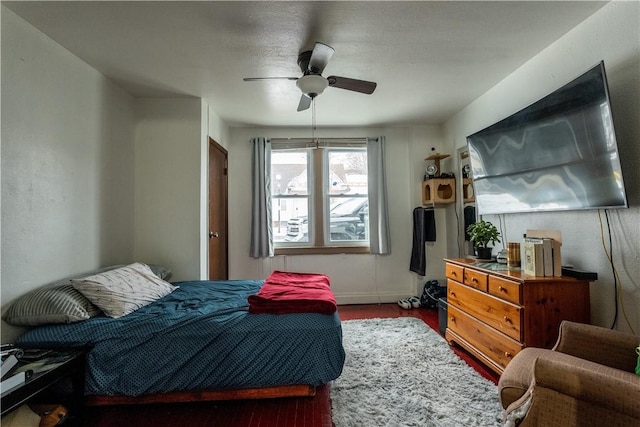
[319, 197]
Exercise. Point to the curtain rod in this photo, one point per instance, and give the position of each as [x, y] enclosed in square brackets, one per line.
[346, 140]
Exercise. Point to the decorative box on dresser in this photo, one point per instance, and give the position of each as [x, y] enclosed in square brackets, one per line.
[495, 311]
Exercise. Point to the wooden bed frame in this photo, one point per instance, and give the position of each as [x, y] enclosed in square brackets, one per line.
[301, 390]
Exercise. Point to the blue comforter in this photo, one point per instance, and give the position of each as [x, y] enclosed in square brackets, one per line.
[200, 337]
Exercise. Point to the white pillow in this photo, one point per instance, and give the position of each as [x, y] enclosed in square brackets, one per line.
[123, 290]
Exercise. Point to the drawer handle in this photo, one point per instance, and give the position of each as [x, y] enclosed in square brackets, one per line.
[508, 319]
[453, 294]
[452, 318]
[474, 280]
[501, 289]
[508, 355]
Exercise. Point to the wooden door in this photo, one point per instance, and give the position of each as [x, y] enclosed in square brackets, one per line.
[218, 213]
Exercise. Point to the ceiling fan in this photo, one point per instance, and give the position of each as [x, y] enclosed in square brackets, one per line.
[311, 83]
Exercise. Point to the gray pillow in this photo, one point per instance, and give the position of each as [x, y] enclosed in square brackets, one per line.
[160, 271]
[56, 303]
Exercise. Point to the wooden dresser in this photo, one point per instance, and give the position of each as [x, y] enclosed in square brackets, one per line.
[495, 311]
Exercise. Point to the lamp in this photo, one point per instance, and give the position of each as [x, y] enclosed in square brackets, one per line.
[312, 84]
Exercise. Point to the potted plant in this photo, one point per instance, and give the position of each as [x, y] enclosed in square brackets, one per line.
[481, 233]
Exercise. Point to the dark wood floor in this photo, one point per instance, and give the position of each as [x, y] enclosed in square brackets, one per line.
[287, 412]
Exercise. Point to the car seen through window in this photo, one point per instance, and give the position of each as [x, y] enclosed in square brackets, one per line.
[347, 220]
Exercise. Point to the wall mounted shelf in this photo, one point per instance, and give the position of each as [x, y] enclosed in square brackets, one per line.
[438, 191]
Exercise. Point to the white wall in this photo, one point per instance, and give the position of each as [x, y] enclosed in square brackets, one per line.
[217, 128]
[612, 35]
[168, 184]
[67, 164]
[355, 278]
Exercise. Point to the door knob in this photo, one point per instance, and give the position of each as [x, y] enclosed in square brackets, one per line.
[214, 234]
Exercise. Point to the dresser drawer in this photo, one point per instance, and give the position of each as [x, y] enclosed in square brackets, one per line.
[454, 272]
[475, 279]
[495, 345]
[497, 313]
[505, 289]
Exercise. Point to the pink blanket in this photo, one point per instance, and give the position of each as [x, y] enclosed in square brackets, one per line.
[285, 292]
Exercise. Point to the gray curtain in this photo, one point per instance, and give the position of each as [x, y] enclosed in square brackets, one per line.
[261, 229]
[379, 240]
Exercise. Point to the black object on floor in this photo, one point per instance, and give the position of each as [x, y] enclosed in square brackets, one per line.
[442, 315]
[430, 294]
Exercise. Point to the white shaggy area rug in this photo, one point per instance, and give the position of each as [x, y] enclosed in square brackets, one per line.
[400, 372]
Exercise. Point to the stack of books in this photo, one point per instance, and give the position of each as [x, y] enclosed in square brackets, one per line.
[541, 255]
[11, 377]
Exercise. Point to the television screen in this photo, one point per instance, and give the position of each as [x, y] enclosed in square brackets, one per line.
[559, 153]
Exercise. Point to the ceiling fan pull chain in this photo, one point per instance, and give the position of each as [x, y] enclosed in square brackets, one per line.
[313, 122]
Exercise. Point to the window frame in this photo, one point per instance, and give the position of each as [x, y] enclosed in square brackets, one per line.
[319, 204]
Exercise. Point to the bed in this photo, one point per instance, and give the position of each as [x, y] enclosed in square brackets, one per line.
[201, 341]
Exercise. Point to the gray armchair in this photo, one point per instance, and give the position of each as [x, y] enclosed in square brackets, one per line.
[587, 379]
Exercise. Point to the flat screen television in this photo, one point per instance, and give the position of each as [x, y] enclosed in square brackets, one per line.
[559, 153]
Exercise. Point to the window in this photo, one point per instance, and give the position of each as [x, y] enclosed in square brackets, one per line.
[319, 198]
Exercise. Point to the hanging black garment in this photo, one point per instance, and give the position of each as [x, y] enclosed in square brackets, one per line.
[424, 230]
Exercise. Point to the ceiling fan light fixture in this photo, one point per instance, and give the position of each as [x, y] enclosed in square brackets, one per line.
[312, 84]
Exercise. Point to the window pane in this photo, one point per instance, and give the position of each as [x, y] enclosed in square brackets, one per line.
[347, 172]
[289, 172]
[349, 219]
[290, 192]
[290, 216]
[348, 216]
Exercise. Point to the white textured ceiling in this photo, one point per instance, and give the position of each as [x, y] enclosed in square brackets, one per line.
[429, 59]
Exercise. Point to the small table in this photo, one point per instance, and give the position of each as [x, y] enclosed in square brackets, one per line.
[49, 367]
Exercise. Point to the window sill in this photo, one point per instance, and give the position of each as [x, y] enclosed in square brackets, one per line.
[329, 250]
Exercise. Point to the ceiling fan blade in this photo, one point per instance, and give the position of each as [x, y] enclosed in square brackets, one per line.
[305, 102]
[254, 79]
[320, 57]
[361, 86]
